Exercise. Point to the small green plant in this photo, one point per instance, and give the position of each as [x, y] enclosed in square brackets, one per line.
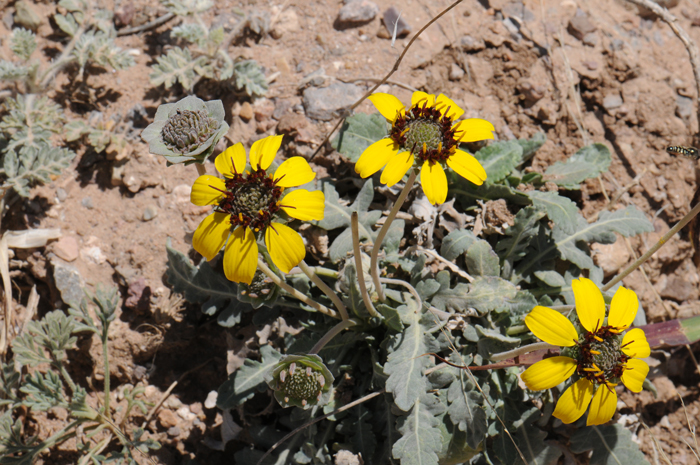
[206, 55]
[42, 350]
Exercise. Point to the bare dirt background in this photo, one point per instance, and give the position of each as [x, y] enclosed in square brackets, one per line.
[582, 72]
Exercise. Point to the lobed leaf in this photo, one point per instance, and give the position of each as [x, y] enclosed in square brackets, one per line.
[587, 163]
[481, 260]
[562, 211]
[611, 445]
[514, 247]
[456, 243]
[466, 410]
[248, 379]
[420, 440]
[177, 66]
[202, 285]
[250, 78]
[499, 159]
[22, 43]
[358, 132]
[531, 146]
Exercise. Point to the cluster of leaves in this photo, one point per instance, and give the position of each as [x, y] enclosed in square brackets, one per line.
[44, 347]
[427, 414]
[30, 120]
[206, 55]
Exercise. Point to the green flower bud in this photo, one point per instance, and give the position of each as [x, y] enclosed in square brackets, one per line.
[261, 291]
[301, 381]
[186, 131]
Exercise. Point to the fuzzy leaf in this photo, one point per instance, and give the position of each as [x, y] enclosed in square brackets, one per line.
[392, 318]
[531, 442]
[359, 132]
[363, 438]
[468, 193]
[12, 72]
[75, 130]
[611, 445]
[449, 299]
[177, 66]
[499, 159]
[550, 277]
[250, 78]
[248, 379]
[466, 410]
[67, 23]
[22, 43]
[481, 260]
[187, 7]
[456, 243]
[530, 146]
[514, 246]
[44, 391]
[193, 33]
[404, 364]
[488, 293]
[587, 163]
[562, 211]
[421, 439]
[202, 285]
[36, 166]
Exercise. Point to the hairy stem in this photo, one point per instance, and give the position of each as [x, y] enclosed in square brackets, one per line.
[374, 269]
[354, 226]
[522, 351]
[107, 387]
[334, 331]
[201, 169]
[295, 293]
[325, 288]
[671, 232]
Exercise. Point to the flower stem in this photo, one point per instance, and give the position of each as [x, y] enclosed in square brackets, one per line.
[354, 226]
[522, 351]
[334, 331]
[107, 388]
[671, 232]
[409, 288]
[201, 170]
[295, 293]
[325, 288]
[374, 269]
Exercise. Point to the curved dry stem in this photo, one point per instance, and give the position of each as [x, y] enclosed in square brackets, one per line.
[408, 287]
[325, 288]
[334, 331]
[295, 293]
[373, 268]
[521, 351]
[354, 227]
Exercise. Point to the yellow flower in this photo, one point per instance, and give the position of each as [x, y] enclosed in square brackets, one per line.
[599, 356]
[246, 205]
[426, 136]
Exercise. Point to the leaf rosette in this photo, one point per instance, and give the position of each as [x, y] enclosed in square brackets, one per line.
[301, 381]
[186, 131]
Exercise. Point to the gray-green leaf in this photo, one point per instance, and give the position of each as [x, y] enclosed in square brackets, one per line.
[611, 445]
[587, 163]
[456, 243]
[562, 211]
[247, 380]
[421, 439]
[499, 159]
[359, 132]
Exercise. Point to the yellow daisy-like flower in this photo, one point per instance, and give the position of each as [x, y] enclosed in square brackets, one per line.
[246, 205]
[427, 136]
[600, 356]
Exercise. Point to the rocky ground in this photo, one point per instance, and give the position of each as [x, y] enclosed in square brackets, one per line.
[581, 72]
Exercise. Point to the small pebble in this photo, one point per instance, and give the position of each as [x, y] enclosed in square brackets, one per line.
[87, 203]
[392, 18]
[61, 194]
[150, 212]
[67, 248]
[246, 111]
[210, 402]
[174, 431]
[456, 73]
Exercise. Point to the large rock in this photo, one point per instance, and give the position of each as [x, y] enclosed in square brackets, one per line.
[356, 13]
[68, 282]
[329, 102]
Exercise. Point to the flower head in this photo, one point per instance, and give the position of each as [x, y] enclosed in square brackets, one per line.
[186, 131]
[301, 380]
[600, 356]
[425, 136]
[248, 204]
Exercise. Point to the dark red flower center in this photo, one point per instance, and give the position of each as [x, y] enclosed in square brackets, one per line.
[426, 133]
[251, 199]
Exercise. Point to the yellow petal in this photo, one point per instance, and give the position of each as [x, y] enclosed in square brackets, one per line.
[211, 234]
[294, 172]
[634, 375]
[285, 246]
[204, 190]
[396, 168]
[434, 182]
[388, 105]
[623, 308]
[551, 326]
[420, 98]
[304, 205]
[603, 406]
[474, 129]
[467, 166]
[375, 157]
[448, 107]
[574, 402]
[548, 372]
[263, 152]
[231, 161]
[635, 344]
[241, 256]
[590, 305]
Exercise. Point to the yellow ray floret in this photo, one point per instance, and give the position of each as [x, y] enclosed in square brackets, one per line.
[551, 326]
[590, 305]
